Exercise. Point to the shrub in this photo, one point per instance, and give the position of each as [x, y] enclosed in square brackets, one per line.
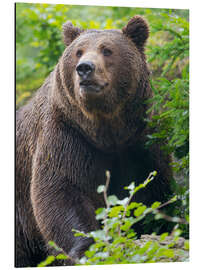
[116, 242]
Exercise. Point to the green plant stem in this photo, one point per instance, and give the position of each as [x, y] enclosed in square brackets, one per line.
[107, 204]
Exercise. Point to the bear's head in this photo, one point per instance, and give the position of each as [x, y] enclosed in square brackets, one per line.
[101, 70]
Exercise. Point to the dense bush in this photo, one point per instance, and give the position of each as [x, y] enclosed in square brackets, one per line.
[170, 103]
[39, 46]
[116, 242]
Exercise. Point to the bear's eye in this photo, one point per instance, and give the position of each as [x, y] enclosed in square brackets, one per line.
[79, 53]
[106, 52]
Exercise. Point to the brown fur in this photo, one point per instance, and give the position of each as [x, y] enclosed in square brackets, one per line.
[67, 138]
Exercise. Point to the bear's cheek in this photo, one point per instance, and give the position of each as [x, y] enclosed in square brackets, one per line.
[67, 67]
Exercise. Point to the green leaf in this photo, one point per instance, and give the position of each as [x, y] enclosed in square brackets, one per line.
[177, 233]
[112, 200]
[115, 211]
[158, 216]
[140, 210]
[173, 199]
[100, 213]
[99, 245]
[89, 254]
[48, 261]
[163, 236]
[52, 244]
[99, 235]
[123, 202]
[126, 226]
[119, 240]
[186, 245]
[62, 257]
[131, 235]
[154, 173]
[155, 205]
[153, 249]
[100, 189]
[78, 233]
[144, 249]
[133, 205]
[131, 186]
[168, 253]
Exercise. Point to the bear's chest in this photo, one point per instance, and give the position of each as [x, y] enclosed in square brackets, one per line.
[132, 165]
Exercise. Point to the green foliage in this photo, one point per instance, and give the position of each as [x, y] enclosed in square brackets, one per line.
[169, 60]
[38, 44]
[116, 242]
[171, 89]
[50, 259]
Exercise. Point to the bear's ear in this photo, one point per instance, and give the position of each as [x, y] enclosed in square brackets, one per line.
[137, 30]
[70, 32]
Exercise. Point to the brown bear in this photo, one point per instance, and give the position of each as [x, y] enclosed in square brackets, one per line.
[88, 117]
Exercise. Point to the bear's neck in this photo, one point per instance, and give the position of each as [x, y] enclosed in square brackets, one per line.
[105, 134]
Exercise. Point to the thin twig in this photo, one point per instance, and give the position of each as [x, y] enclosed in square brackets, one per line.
[149, 179]
[106, 188]
[166, 203]
[171, 219]
[107, 204]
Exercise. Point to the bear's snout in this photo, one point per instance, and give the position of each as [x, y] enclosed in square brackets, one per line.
[85, 69]
[89, 81]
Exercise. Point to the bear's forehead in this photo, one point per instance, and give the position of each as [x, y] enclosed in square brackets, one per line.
[100, 36]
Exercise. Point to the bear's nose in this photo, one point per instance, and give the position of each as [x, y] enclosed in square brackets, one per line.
[85, 69]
